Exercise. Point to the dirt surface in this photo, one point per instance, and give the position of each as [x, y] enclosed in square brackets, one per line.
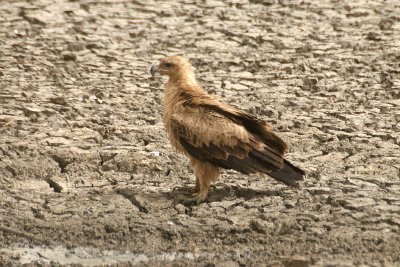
[88, 177]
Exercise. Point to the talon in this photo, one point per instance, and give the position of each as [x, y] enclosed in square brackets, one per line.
[202, 196]
[196, 199]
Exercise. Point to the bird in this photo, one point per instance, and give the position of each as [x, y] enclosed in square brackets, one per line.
[215, 135]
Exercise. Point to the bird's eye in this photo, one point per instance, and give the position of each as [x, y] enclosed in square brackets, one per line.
[168, 65]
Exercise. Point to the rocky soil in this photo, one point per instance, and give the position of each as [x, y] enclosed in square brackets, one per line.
[87, 176]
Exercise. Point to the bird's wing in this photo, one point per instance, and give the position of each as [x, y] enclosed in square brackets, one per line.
[211, 136]
[260, 129]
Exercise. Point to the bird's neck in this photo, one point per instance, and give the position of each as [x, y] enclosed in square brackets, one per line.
[183, 77]
[176, 88]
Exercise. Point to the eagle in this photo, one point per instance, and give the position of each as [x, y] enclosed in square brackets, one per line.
[215, 135]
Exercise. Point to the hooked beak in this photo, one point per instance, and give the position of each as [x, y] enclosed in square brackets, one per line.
[153, 69]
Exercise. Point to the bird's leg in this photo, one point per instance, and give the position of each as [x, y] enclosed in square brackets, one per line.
[201, 194]
[206, 173]
[196, 189]
[200, 191]
[204, 185]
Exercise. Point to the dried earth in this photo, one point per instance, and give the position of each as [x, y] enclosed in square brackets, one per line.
[87, 176]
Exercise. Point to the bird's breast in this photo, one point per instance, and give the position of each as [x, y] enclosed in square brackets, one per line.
[170, 105]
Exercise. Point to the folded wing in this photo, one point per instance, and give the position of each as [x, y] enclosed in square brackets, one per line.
[228, 139]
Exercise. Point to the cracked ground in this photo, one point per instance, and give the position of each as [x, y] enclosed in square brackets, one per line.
[87, 176]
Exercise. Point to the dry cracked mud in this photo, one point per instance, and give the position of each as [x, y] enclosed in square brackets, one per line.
[87, 176]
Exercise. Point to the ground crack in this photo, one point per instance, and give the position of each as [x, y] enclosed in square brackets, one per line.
[130, 195]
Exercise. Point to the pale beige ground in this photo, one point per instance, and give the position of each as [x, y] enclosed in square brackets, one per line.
[87, 174]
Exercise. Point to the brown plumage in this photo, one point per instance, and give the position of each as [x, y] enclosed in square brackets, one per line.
[215, 135]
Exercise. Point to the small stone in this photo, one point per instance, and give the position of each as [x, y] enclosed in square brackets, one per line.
[257, 226]
[373, 36]
[59, 100]
[94, 46]
[296, 262]
[386, 24]
[304, 49]
[310, 83]
[278, 44]
[317, 231]
[57, 141]
[181, 209]
[227, 264]
[76, 47]
[289, 204]
[56, 185]
[69, 57]
[155, 153]
[319, 190]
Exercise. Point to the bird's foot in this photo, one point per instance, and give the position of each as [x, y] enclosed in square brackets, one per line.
[196, 198]
[202, 195]
[195, 191]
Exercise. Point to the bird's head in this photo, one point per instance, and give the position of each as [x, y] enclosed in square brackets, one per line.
[173, 66]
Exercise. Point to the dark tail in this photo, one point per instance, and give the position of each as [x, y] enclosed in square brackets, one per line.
[289, 174]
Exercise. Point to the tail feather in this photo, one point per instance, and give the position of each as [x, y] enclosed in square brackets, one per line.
[289, 174]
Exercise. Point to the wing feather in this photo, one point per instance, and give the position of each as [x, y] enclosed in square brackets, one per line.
[214, 137]
[262, 130]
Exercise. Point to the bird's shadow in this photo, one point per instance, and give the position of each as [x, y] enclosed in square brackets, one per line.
[219, 193]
